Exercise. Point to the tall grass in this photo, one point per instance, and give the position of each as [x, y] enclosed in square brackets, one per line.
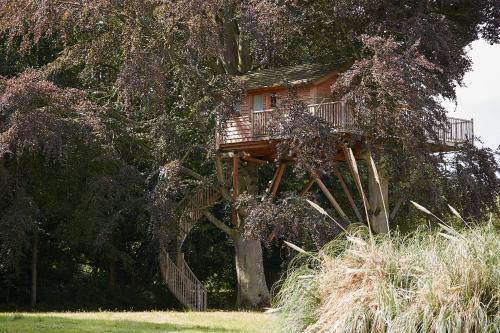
[446, 281]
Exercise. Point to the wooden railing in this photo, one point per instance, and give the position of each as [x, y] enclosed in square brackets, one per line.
[337, 113]
[340, 115]
[183, 283]
[261, 121]
[192, 210]
[456, 130]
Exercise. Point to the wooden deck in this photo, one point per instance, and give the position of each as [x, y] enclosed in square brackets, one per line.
[252, 130]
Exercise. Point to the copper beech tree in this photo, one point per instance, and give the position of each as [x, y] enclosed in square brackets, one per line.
[63, 180]
[171, 65]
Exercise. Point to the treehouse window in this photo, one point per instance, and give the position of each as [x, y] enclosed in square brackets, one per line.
[257, 103]
[273, 99]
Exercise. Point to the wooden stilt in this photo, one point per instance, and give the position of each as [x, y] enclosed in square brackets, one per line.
[277, 180]
[332, 200]
[271, 182]
[307, 187]
[378, 197]
[351, 162]
[218, 169]
[337, 173]
[396, 208]
[235, 188]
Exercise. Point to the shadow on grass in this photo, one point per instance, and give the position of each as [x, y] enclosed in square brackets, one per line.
[32, 324]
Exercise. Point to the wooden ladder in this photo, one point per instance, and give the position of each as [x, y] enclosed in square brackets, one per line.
[177, 275]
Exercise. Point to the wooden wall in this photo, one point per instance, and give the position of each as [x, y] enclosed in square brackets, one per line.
[239, 129]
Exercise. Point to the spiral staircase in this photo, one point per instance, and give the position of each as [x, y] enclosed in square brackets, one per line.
[177, 275]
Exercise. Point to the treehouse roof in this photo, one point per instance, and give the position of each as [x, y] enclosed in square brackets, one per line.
[287, 76]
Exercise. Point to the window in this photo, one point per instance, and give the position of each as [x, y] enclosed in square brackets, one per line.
[257, 103]
[274, 99]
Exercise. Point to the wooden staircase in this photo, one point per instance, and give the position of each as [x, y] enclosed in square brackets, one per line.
[177, 275]
[192, 210]
[182, 282]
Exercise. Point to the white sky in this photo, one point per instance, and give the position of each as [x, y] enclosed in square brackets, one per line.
[480, 97]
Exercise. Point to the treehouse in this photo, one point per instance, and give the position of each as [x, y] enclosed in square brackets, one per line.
[247, 131]
[245, 143]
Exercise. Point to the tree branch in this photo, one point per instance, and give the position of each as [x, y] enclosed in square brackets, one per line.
[190, 172]
[220, 178]
[219, 224]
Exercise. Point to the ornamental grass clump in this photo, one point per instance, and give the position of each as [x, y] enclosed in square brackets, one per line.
[446, 281]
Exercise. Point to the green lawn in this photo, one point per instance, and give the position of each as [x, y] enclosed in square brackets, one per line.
[137, 322]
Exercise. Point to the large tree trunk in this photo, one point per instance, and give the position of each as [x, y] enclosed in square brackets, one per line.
[252, 287]
[34, 270]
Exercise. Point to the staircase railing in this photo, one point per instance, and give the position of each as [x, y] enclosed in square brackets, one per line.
[194, 205]
[182, 282]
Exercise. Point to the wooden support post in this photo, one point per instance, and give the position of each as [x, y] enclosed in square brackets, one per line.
[235, 187]
[179, 257]
[332, 200]
[351, 162]
[337, 173]
[307, 187]
[254, 160]
[271, 182]
[378, 189]
[219, 171]
[277, 180]
[396, 208]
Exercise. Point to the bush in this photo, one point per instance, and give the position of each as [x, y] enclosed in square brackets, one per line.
[446, 281]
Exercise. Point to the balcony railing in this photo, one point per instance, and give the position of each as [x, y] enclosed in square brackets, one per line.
[340, 115]
[456, 130]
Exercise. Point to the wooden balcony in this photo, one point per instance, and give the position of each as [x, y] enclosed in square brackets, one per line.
[254, 128]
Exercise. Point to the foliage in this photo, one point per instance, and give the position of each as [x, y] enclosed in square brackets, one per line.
[312, 141]
[396, 283]
[63, 183]
[290, 217]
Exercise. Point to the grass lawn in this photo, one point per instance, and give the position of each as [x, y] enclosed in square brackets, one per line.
[137, 322]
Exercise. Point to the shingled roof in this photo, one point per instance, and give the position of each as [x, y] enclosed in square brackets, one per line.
[286, 76]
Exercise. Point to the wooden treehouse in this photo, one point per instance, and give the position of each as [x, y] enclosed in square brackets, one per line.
[245, 140]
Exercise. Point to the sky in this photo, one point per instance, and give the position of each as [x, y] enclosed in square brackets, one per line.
[480, 97]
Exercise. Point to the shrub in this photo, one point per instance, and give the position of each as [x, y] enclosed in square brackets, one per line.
[446, 281]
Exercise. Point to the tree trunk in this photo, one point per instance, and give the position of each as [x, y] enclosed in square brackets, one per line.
[34, 268]
[230, 47]
[252, 287]
[112, 274]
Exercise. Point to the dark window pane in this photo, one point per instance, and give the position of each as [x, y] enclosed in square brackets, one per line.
[274, 100]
